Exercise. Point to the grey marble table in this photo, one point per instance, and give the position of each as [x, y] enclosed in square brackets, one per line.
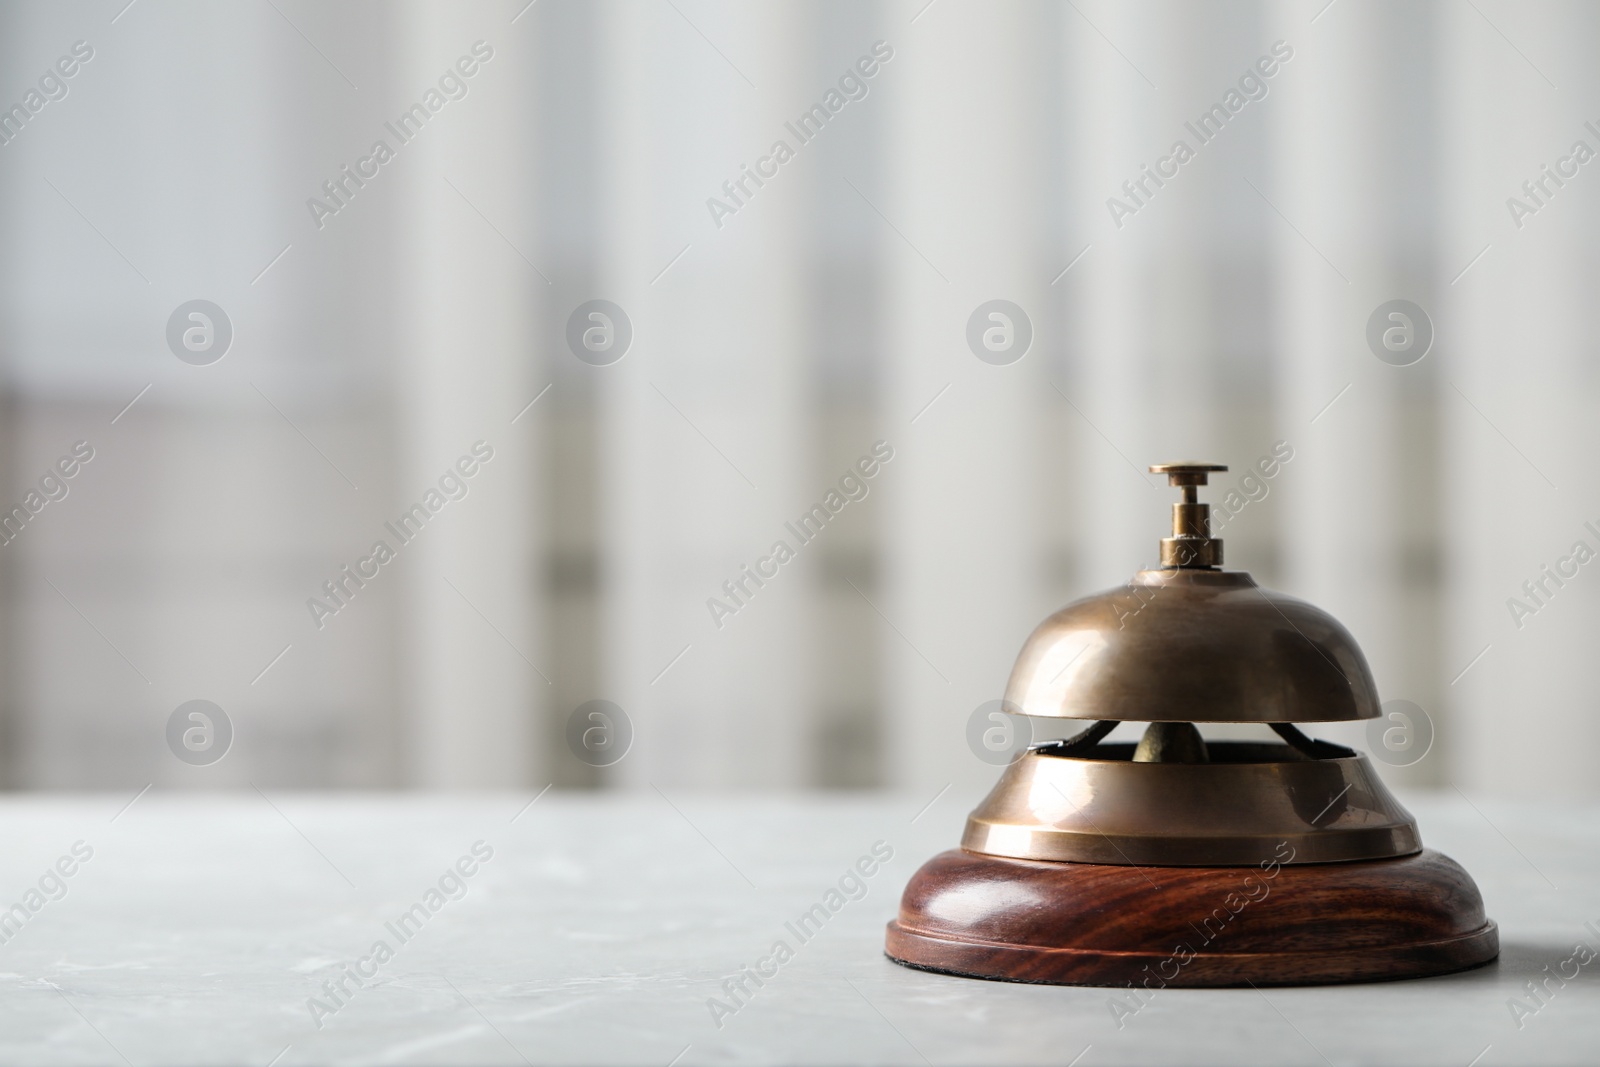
[246, 928]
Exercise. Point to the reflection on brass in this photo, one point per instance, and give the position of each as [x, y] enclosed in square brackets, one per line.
[1239, 809]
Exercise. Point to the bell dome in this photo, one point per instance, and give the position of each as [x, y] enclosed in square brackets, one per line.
[1189, 645]
[1189, 642]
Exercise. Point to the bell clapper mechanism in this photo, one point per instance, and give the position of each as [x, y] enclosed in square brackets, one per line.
[1182, 861]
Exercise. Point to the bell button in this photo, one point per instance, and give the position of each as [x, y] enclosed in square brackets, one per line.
[1191, 544]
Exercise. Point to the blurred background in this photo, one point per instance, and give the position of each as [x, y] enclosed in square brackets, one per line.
[773, 316]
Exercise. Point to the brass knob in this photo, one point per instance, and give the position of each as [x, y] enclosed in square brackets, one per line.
[1191, 543]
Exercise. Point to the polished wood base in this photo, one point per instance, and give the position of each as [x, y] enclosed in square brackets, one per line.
[984, 916]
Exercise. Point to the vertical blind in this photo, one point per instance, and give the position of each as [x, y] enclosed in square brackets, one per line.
[898, 302]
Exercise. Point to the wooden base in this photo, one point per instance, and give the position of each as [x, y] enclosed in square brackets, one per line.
[984, 916]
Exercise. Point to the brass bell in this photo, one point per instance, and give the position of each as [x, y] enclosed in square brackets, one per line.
[1182, 861]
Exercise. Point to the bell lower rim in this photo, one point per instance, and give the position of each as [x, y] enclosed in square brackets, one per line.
[1158, 850]
[1225, 814]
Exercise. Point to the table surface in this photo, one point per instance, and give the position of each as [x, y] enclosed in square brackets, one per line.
[598, 929]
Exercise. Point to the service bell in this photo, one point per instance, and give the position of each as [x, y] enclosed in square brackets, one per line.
[1182, 861]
